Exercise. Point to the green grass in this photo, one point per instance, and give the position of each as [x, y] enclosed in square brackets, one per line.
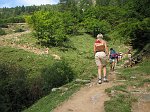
[117, 88]
[137, 71]
[144, 67]
[27, 38]
[80, 59]
[119, 103]
[31, 62]
[122, 99]
[14, 26]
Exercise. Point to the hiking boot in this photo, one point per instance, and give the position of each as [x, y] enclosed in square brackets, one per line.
[99, 81]
[105, 79]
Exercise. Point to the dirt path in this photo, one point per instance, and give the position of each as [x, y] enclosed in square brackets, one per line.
[9, 36]
[90, 98]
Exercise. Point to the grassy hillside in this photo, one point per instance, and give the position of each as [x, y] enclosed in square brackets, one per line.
[31, 62]
[43, 70]
[136, 81]
[81, 60]
[31, 66]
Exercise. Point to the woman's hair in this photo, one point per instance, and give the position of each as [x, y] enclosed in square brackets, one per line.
[111, 48]
[99, 36]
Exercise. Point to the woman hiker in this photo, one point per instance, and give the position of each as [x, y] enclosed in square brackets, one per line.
[101, 52]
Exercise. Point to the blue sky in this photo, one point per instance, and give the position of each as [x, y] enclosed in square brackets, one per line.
[14, 3]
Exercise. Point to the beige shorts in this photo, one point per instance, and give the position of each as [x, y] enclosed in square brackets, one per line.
[129, 56]
[100, 58]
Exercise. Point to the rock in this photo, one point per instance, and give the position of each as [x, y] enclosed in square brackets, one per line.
[145, 98]
[54, 89]
[113, 93]
[60, 88]
[132, 77]
[121, 80]
[63, 88]
[126, 63]
[83, 81]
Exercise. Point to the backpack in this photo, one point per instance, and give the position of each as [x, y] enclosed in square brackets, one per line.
[113, 54]
[99, 46]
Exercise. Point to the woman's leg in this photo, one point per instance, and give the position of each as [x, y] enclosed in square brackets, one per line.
[110, 66]
[104, 71]
[100, 72]
[113, 65]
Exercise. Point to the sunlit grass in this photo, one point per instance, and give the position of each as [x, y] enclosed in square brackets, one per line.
[30, 61]
[135, 77]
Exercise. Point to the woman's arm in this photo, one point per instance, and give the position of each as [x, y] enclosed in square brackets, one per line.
[106, 49]
[94, 49]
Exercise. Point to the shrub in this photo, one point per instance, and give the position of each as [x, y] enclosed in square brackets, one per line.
[141, 34]
[19, 30]
[57, 75]
[35, 86]
[13, 88]
[135, 32]
[70, 23]
[17, 92]
[103, 26]
[113, 15]
[49, 27]
[2, 32]
[18, 19]
[3, 25]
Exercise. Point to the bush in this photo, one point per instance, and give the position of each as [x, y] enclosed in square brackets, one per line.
[13, 88]
[17, 92]
[49, 27]
[141, 34]
[135, 32]
[103, 26]
[18, 19]
[57, 75]
[19, 30]
[35, 89]
[70, 23]
[3, 25]
[113, 15]
[2, 32]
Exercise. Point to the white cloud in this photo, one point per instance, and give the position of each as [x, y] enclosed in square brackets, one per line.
[54, 1]
[14, 3]
[35, 2]
[5, 5]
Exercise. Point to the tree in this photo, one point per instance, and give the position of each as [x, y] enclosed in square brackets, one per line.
[49, 27]
[142, 7]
